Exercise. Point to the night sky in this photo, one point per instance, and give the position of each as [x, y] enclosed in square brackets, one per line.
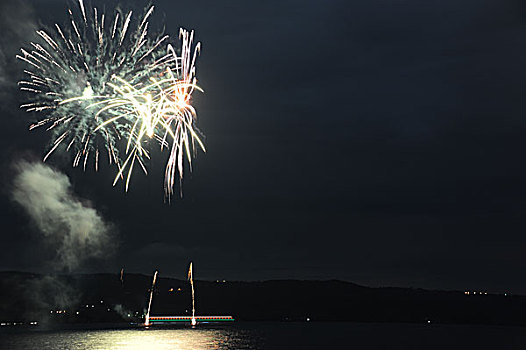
[378, 142]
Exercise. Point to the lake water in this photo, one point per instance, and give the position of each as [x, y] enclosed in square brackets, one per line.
[307, 335]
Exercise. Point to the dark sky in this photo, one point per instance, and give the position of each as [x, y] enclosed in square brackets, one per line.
[380, 142]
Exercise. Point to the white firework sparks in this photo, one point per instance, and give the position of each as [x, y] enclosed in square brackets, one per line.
[100, 83]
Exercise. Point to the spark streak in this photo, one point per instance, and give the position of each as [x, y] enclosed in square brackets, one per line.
[147, 319]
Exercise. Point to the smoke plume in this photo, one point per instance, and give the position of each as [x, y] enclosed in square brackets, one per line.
[70, 225]
[17, 25]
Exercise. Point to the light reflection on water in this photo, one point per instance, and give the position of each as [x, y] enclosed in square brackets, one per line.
[273, 336]
[134, 339]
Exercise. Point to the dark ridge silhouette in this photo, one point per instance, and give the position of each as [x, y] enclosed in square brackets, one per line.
[99, 298]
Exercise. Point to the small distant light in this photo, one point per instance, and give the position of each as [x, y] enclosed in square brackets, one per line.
[51, 312]
[178, 289]
[129, 315]
[77, 312]
[217, 281]
[505, 294]
[308, 319]
[224, 281]
[428, 321]
[92, 305]
[102, 301]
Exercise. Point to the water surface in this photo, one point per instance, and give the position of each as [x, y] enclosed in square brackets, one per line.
[251, 336]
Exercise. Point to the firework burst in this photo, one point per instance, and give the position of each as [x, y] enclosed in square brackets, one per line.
[101, 84]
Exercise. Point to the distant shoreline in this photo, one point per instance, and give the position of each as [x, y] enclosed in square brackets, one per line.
[102, 299]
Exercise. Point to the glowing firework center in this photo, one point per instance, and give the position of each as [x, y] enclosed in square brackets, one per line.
[99, 85]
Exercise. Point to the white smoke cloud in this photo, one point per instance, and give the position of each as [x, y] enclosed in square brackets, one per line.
[71, 225]
[17, 25]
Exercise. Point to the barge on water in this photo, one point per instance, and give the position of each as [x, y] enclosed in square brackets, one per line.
[189, 319]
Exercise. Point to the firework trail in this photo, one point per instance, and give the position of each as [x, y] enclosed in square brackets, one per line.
[104, 82]
[147, 319]
[191, 279]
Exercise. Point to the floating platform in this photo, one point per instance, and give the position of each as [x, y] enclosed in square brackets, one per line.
[188, 319]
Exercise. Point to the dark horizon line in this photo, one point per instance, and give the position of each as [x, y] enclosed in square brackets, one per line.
[508, 293]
